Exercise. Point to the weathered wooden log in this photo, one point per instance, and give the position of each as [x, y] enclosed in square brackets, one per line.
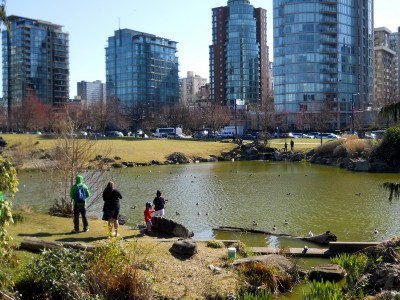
[321, 239]
[36, 245]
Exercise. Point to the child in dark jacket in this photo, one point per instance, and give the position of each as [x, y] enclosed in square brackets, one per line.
[147, 216]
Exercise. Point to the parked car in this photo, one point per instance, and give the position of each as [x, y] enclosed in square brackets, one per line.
[314, 135]
[173, 135]
[295, 135]
[227, 134]
[114, 133]
[248, 136]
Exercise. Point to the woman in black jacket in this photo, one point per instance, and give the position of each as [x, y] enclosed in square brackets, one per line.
[111, 198]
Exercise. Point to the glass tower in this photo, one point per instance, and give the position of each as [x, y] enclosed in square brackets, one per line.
[239, 54]
[141, 67]
[323, 59]
[35, 60]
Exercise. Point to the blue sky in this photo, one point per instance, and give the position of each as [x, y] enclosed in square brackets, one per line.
[91, 22]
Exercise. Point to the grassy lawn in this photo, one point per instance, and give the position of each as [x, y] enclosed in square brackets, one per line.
[129, 149]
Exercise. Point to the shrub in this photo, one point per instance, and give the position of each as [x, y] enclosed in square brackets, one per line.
[267, 277]
[389, 148]
[113, 275]
[327, 148]
[55, 274]
[340, 151]
[242, 249]
[354, 147]
[215, 244]
[62, 208]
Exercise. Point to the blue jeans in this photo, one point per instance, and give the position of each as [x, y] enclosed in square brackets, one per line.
[77, 211]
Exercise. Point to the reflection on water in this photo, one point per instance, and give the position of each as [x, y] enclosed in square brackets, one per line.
[310, 197]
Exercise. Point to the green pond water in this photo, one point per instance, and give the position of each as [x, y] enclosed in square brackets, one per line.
[208, 195]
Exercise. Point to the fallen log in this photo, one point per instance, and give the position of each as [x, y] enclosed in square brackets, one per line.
[36, 245]
[321, 239]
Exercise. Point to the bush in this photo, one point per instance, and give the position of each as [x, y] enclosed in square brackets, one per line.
[114, 275]
[258, 275]
[55, 274]
[340, 151]
[215, 244]
[355, 147]
[328, 148]
[389, 149]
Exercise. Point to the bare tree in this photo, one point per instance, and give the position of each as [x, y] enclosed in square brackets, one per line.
[71, 157]
[217, 116]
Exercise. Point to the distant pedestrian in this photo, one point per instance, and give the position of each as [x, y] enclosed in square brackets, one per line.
[291, 145]
[111, 207]
[159, 203]
[79, 192]
[285, 147]
[147, 216]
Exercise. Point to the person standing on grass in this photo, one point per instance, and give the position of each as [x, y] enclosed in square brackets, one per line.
[111, 207]
[147, 216]
[79, 192]
[291, 145]
[285, 147]
[159, 203]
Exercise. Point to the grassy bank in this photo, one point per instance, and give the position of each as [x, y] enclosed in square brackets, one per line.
[170, 276]
[129, 149]
[145, 150]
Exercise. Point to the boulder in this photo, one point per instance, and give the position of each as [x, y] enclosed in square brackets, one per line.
[328, 272]
[361, 165]
[184, 247]
[171, 227]
[322, 239]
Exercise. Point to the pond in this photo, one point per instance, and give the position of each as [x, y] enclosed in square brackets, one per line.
[208, 195]
[310, 197]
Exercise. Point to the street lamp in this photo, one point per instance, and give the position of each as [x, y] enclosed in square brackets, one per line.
[352, 111]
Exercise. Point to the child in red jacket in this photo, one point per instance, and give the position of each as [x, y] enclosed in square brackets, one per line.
[147, 215]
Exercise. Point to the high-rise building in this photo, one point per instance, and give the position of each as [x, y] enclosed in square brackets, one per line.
[385, 62]
[141, 67]
[239, 60]
[323, 60]
[191, 89]
[35, 62]
[91, 92]
[395, 46]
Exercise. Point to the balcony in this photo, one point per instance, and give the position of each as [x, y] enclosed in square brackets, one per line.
[325, 49]
[327, 79]
[328, 30]
[329, 70]
[328, 20]
[328, 1]
[330, 60]
[331, 10]
[329, 40]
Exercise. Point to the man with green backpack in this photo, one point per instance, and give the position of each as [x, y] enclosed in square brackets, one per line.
[79, 193]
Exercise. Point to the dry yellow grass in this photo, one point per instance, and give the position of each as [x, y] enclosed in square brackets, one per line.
[129, 149]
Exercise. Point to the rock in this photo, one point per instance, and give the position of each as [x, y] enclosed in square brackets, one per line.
[328, 272]
[361, 165]
[322, 239]
[275, 260]
[171, 227]
[118, 165]
[184, 247]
